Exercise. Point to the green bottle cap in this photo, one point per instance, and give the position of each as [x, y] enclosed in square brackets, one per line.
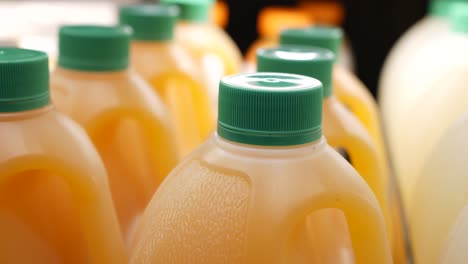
[192, 10]
[440, 8]
[24, 80]
[94, 48]
[317, 36]
[150, 22]
[313, 62]
[270, 109]
[459, 17]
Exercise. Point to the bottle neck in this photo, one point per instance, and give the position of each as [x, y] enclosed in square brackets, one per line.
[268, 151]
[72, 73]
[20, 115]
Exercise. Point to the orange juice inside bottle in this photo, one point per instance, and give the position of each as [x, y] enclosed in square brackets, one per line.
[122, 115]
[355, 96]
[171, 71]
[270, 22]
[216, 53]
[220, 14]
[248, 195]
[55, 202]
[342, 130]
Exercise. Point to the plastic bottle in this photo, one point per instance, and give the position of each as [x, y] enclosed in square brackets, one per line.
[455, 250]
[347, 88]
[439, 99]
[342, 130]
[355, 96]
[123, 116]
[440, 195]
[55, 202]
[270, 22]
[217, 54]
[247, 195]
[171, 71]
[402, 64]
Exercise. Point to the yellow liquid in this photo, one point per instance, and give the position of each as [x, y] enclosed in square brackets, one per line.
[174, 76]
[130, 128]
[55, 201]
[355, 96]
[216, 54]
[234, 203]
[344, 131]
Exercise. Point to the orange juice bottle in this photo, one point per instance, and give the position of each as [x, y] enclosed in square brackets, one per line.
[355, 96]
[439, 195]
[123, 116]
[55, 202]
[457, 243]
[171, 71]
[347, 88]
[270, 22]
[247, 194]
[214, 50]
[342, 130]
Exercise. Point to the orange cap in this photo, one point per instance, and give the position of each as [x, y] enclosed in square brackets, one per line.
[324, 12]
[272, 20]
[220, 14]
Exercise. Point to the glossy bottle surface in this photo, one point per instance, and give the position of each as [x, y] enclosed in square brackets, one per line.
[55, 201]
[216, 53]
[442, 97]
[130, 128]
[236, 203]
[174, 76]
[440, 195]
[457, 243]
[398, 67]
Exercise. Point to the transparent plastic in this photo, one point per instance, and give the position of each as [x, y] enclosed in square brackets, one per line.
[129, 126]
[406, 64]
[235, 203]
[350, 91]
[55, 202]
[214, 50]
[455, 252]
[401, 65]
[175, 77]
[437, 100]
[344, 132]
[440, 195]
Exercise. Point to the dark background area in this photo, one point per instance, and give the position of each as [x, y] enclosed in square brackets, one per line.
[372, 26]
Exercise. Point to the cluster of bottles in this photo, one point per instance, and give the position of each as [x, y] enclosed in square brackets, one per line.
[155, 143]
[424, 103]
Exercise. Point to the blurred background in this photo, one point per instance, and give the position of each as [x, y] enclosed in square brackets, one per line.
[371, 26]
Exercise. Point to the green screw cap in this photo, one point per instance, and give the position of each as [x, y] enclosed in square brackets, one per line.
[94, 48]
[24, 80]
[192, 10]
[150, 22]
[440, 8]
[317, 36]
[313, 62]
[270, 109]
[458, 14]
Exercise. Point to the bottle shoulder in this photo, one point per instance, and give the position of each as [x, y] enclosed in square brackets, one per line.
[91, 96]
[47, 135]
[315, 164]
